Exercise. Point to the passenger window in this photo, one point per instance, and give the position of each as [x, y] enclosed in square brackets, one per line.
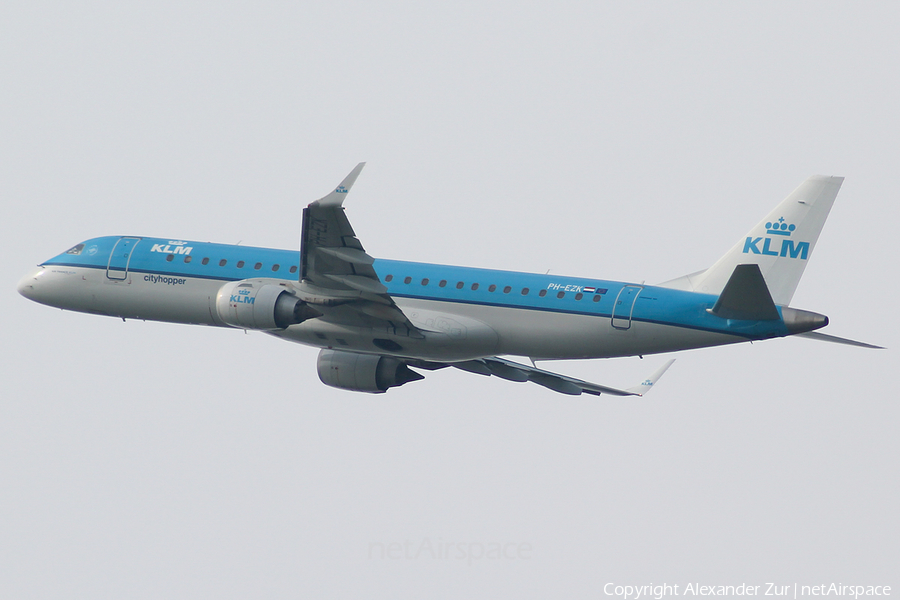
[597, 298]
[187, 258]
[579, 296]
[223, 262]
[257, 266]
[425, 281]
[442, 283]
[492, 287]
[507, 290]
[205, 261]
[275, 267]
[524, 291]
[170, 257]
[240, 264]
[388, 277]
[407, 280]
[561, 295]
[293, 268]
[474, 286]
[542, 293]
[459, 285]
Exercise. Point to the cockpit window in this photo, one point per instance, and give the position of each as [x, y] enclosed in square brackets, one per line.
[76, 249]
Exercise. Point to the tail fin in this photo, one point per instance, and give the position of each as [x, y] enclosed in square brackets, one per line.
[780, 244]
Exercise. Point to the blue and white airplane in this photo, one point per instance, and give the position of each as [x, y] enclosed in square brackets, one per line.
[374, 319]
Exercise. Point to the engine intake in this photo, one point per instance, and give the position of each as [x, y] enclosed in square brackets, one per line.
[251, 304]
[363, 372]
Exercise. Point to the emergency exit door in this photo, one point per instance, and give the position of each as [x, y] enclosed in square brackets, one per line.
[120, 258]
[624, 306]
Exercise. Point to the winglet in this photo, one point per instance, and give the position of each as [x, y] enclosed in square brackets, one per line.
[648, 383]
[336, 198]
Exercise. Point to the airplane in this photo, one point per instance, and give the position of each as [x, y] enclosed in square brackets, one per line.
[378, 322]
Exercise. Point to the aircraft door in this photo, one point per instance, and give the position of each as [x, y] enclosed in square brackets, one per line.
[120, 257]
[624, 306]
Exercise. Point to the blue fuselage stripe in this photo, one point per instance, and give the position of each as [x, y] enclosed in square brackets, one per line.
[652, 305]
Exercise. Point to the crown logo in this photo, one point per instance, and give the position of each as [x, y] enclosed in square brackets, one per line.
[341, 190]
[779, 227]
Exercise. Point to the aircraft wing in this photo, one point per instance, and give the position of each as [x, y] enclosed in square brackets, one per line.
[513, 371]
[336, 274]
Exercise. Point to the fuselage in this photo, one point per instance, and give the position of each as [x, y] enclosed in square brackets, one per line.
[465, 312]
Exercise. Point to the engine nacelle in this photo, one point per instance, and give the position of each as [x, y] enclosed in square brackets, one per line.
[261, 304]
[363, 372]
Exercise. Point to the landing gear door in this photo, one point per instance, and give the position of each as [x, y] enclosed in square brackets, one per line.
[120, 258]
[624, 306]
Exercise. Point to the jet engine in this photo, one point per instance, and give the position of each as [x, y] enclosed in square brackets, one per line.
[260, 304]
[363, 372]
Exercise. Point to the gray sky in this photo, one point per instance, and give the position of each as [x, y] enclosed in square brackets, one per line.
[634, 142]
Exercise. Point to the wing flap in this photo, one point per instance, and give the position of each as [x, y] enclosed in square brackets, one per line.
[348, 254]
[506, 370]
[336, 273]
[513, 371]
[557, 384]
[359, 282]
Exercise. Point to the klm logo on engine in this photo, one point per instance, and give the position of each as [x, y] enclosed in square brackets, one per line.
[777, 232]
[172, 248]
[242, 297]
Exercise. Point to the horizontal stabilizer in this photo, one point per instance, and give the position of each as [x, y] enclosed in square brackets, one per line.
[824, 337]
[746, 297]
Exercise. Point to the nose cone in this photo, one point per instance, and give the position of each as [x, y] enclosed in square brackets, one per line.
[27, 285]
